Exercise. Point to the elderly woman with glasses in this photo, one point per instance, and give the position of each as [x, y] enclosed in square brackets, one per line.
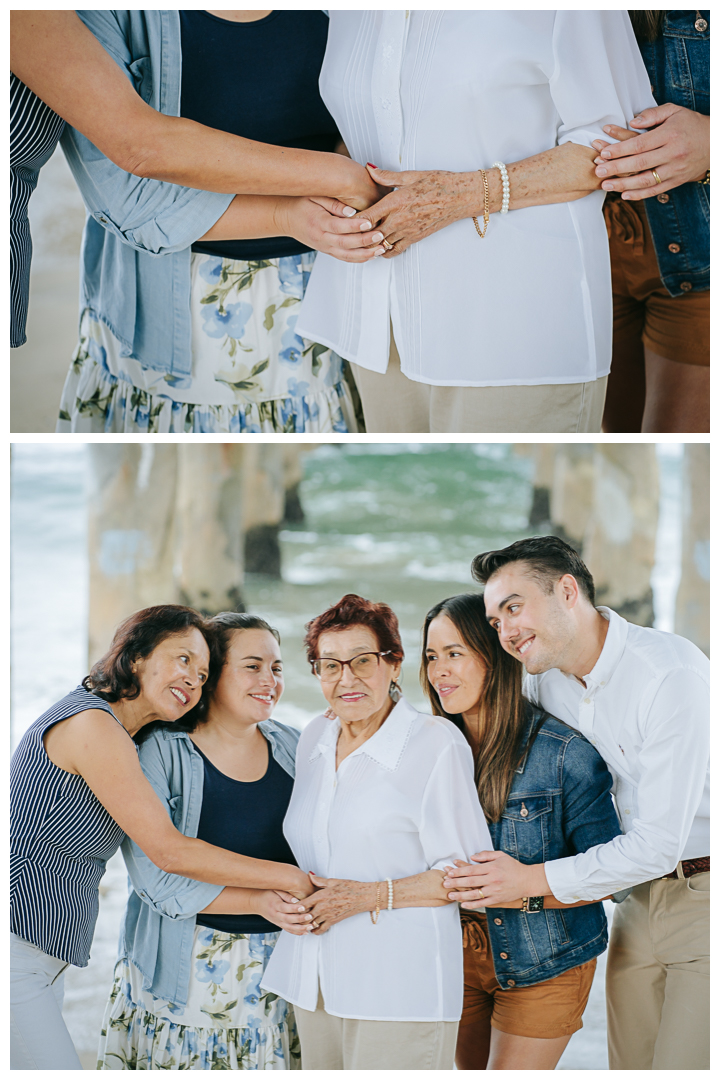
[370, 813]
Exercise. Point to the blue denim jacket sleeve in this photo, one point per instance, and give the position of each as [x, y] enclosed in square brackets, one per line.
[170, 895]
[589, 814]
[599, 75]
[150, 215]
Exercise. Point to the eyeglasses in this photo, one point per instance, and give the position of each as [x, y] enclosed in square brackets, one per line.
[328, 669]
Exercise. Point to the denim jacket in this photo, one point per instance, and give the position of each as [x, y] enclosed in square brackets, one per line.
[678, 64]
[159, 923]
[135, 257]
[559, 804]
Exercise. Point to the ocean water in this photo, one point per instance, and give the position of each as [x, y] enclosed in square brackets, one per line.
[398, 523]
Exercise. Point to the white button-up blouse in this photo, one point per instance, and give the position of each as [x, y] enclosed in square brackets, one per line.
[458, 90]
[402, 803]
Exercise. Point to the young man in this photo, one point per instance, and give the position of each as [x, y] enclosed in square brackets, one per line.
[641, 697]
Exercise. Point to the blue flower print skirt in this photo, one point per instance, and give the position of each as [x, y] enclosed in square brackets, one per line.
[250, 370]
[228, 1022]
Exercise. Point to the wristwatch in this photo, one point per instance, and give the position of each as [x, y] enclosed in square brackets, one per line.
[532, 903]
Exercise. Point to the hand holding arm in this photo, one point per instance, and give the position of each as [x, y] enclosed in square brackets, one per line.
[677, 147]
[424, 202]
[277, 907]
[338, 899]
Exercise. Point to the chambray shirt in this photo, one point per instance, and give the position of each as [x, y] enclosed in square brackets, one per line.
[159, 924]
[645, 706]
[135, 257]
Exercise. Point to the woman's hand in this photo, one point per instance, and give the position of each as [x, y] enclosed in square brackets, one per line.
[330, 226]
[337, 899]
[423, 203]
[284, 911]
[677, 147]
[358, 189]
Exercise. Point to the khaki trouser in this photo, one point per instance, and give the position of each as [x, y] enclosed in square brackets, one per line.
[658, 977]
[394, 403]
[332, 1042]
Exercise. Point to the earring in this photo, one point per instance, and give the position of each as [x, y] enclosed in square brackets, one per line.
[395, 692]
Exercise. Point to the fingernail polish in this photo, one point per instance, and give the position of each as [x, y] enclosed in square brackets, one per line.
[349, 211]
[371, 164]
[380, 251]
[377, 238]
[365, 225]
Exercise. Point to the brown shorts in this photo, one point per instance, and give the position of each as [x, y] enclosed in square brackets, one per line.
[547, 1010]
[675, 327]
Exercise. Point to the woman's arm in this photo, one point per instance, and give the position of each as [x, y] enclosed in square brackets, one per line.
[62, 62]
[322, 224]
[284, 911]
[677, 147]
[338, 899]
[424, 202]
[93, 745]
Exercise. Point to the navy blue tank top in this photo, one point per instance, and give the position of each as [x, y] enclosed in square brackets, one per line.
[245, 817]
[61, 837]
[258, 80]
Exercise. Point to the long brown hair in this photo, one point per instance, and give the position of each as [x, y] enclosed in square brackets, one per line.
[503, 709]
[647, 24]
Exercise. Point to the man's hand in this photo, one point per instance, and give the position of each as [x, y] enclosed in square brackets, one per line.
[495, 878]
[677, 147]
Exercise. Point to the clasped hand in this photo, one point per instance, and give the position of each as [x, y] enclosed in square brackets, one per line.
[492, 878]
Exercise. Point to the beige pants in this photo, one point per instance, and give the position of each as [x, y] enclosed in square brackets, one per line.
[331, 1042]
[394, 403]
[658, 977]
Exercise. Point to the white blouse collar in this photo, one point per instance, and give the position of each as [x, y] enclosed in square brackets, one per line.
[385, 747]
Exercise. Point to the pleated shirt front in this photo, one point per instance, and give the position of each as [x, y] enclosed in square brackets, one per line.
[61, 837]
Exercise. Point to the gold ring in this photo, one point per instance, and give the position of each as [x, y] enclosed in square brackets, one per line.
[481, 894]
[657, 178]
[388, 246]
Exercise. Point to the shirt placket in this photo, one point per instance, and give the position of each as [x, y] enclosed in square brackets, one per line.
[321, 835]
[387, 69]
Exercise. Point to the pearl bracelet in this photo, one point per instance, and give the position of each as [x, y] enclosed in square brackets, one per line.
[505, 186]
[390, 893]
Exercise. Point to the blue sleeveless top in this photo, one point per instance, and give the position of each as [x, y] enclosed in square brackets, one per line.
[61, 837]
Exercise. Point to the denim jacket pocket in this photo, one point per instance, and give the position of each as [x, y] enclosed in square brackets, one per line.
[525, 826]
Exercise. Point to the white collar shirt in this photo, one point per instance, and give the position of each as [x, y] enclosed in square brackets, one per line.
[645, 706]
[402, 803]
[458, 90]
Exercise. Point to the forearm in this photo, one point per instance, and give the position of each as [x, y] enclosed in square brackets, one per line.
[251, 216]
[233, 901]
[193, 858]
[562, 174]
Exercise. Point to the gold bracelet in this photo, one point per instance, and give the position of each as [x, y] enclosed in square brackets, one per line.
[375, 915]
[707, 178]
[486, 211]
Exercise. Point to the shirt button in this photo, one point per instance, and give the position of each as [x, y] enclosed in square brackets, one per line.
[664, 198]
[586, 701]
[498, 922]
[627, 809]
[674, 248]
[685, 286]
[104, 220]
[511, 982]
[503, 956]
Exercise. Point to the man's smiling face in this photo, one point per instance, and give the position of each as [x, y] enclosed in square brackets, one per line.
[533, 625]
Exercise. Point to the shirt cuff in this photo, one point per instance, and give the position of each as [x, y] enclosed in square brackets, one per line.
[564, 884]
[185, 905]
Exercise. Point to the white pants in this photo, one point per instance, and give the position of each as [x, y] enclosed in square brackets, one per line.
[39, 1038]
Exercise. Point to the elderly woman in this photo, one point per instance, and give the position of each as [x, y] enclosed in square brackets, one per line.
[383, 988]
[186, 991]
[76, 787]
[501, 324]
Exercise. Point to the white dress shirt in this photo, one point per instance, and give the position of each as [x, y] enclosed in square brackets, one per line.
[402, 803]
[457, 90]
[646, 707]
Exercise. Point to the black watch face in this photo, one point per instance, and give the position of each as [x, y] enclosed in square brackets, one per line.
[536, 903]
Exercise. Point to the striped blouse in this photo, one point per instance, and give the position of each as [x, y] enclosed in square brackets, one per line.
[34, 133]
[61, 837]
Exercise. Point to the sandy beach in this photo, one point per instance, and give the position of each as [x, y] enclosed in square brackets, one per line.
[38, 368]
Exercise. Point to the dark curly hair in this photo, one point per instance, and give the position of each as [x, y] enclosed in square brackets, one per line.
[353, 610]
[546, 558]
[112, 678]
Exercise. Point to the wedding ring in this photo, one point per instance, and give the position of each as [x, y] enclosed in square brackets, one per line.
[481, 894]
[657, 178]
[387, 245]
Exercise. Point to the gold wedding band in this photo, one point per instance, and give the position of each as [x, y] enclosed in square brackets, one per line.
[387, 245]
[657, 178]
[481, 894]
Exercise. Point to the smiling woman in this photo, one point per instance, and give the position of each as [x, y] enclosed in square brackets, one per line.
[76, 787]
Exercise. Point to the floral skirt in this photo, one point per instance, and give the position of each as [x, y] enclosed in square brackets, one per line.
[228, 1022]
[250, 370]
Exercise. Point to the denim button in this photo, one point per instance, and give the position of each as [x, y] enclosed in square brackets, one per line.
[674, 248]
[498, 922]
[511, 982]
[503, 956]
[685, 286]
[663, 198]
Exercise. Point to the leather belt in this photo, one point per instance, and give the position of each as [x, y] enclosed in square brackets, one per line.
[690, 867]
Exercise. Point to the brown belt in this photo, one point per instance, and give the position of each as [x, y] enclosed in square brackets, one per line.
[690, 867]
